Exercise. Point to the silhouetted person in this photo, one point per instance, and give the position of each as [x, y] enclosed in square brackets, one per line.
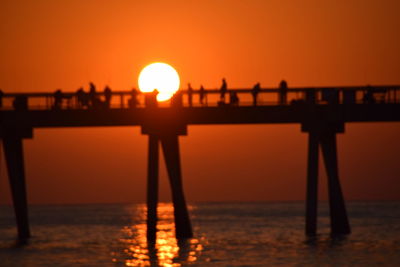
[151, 99]
[176, 100]
[283, 92]
[202, 94]
[79, 97]
[223, 90]
[255, 91]
[133, 101]
[190, 95]
[58, 97]
[92, 94]
[1, 98]
[233, 99]
[82, 98]
[94, 101]
[107, 96]
[20, 102]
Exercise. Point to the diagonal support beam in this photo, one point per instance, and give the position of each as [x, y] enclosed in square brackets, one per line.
[13, 151]
[170, 146]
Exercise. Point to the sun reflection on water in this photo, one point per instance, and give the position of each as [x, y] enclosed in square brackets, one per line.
[167, 251]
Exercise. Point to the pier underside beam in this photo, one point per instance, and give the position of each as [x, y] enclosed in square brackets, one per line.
[152, 188]
[14, 157]
[170, 147]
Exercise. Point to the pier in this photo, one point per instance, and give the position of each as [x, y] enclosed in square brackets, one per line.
[321, 112]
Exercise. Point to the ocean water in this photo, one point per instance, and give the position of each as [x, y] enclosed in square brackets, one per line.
[226, 234]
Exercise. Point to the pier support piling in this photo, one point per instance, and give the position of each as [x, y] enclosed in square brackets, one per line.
[312, 185]
[322, 133]
[170, 146]
[167, 133]
[338, 213]
[152, 188]
[13, 151]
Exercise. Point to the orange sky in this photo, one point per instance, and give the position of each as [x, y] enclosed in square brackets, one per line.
[67, 43]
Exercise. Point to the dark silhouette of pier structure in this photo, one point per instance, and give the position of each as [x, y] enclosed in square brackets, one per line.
[321, 112]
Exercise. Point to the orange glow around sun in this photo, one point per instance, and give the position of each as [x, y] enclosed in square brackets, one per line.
[160, 76]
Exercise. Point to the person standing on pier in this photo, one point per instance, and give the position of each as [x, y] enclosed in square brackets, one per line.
[255, 91]
[283, 92]
[151, 99]
[223, 90]
[82, 98]
[233, 99]
[133, 101]
[92, 94]
[107, 96]
[95, 102]
[58, 97]
[190, 95]
[202, 94]
[79, 97]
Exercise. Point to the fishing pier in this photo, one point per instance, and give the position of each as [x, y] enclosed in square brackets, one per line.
[322, 113]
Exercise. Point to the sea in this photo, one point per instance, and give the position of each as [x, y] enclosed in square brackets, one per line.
[225, 234]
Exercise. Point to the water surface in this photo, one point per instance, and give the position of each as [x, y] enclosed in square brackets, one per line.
[226, 234]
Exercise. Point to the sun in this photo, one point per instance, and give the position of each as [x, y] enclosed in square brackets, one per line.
[160, 76]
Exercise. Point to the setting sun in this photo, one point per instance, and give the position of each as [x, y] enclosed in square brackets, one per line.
[159, 76]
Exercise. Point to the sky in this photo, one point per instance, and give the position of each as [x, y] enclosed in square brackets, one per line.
[46, 45]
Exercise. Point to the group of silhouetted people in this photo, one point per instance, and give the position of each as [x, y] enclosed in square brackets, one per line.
[19, 103]
[233, 95]
[190, 92]
[102, 100]
[94, 100]
[84, 99]
[234, 99]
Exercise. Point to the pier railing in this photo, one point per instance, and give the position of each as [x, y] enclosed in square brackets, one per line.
[207, 98]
